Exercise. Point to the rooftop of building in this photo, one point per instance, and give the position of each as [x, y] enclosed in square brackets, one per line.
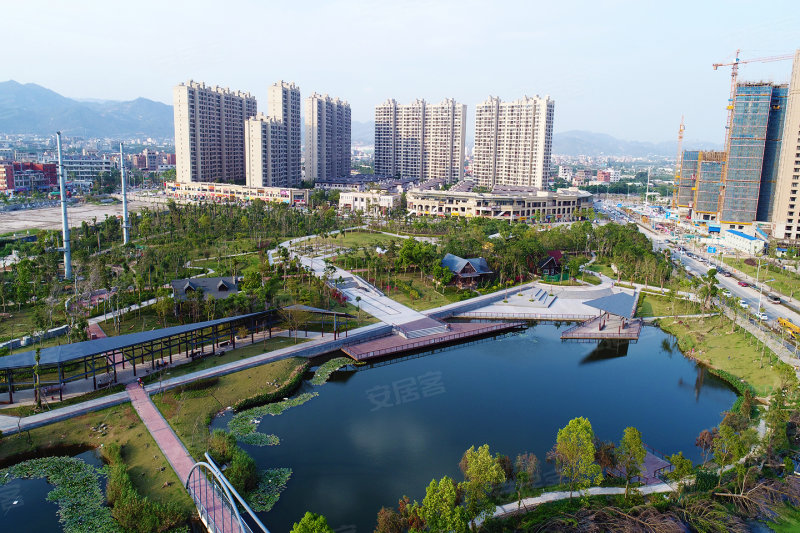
[742, 235]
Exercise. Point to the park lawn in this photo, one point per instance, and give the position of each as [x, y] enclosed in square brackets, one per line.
[657, 305]
[786, 282]
[148, 469]
[590, 279]
[738, 353]
[428, 299]
[190, 412]
[224, 266]
[603, 269]
[21, 322]
[354, 239]
[135, 322]
[787, 521]
[275, 343]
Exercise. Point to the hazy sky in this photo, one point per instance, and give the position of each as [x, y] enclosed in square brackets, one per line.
[627, 68]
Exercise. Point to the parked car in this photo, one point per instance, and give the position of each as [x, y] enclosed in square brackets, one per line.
[744, 284]
[774, 298]
[743, 304]
[727, 293]
[761, 315]
[726, 273]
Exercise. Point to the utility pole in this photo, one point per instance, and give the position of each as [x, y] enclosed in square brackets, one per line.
[64, 222]
[125, 225]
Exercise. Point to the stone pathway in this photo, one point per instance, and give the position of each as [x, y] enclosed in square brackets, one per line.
[512, 508]
[169, 444]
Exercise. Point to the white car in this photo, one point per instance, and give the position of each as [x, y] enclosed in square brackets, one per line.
[743, 304]
[761, 315]
[727, 293]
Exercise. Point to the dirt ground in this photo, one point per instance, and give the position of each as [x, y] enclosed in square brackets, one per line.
[50, 217]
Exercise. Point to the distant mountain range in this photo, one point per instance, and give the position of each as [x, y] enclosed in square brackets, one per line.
[574, 143]
[31, 108]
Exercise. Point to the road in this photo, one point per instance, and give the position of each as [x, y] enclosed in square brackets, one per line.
[697, 267]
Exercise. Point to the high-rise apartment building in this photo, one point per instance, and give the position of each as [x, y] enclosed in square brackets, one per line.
[748, 187]
[785, 212]
[700, 182]
[420, 140]
[327, 153]
[284, 105]
[513, 141]
[265, 152]
[209, 132]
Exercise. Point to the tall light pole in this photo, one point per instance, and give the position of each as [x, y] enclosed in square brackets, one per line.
[64, 222]
[125, 224]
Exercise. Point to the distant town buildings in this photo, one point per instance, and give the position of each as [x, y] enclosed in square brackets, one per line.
[23, 176]
[327, 154]
[209, 132]
[502, 202]
[368, 202]
[513, 141]
[238, 193]
[420, 140]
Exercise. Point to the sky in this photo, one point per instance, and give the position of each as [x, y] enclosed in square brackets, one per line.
[630, 69]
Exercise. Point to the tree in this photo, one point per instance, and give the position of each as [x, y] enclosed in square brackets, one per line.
[631, 454]
[441, 510]
[705, 441]
[682, 469]
[573, 455]
[38, 390]
[526, 470]
[312, 523]
[730, 447]
[294, 319]
[482, 472]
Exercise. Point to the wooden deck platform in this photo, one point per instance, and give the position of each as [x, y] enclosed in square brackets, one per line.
[605, 326]
[396, 344]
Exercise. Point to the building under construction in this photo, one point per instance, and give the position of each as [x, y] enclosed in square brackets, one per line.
[700, 183]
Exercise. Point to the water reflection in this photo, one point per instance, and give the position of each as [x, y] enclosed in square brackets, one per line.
[607, 349]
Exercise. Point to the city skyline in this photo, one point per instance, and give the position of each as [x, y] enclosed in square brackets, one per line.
[583, 57]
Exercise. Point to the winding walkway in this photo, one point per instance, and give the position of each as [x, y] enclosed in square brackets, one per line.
[512, 508]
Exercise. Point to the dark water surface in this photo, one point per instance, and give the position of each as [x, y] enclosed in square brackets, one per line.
[24, 505]
[385, 430]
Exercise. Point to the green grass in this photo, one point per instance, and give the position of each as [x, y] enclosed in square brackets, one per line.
[715, 345]
[189, 412]
[429, 298]
[147, 466]
[135, 322]
[788, 520]
[786, 282]
[603, 269]
[591, 279]
[275, 343]
[354, 239]
[656, 305]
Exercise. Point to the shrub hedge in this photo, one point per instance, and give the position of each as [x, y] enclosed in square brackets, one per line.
[283, 391]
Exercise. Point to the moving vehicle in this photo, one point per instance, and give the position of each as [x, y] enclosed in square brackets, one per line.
[792, 329]
[726, 273]
[727, 293]
[743, 284]
[761, 315]
[743, 304]
[774, 298]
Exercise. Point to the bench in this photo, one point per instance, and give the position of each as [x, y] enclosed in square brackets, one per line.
[200, 355]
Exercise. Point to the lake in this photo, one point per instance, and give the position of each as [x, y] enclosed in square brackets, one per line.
[384, 430]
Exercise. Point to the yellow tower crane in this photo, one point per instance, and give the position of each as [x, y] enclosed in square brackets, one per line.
[678, 165]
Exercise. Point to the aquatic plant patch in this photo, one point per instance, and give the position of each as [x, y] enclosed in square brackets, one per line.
[270, 485]
[77, 491]
[328, 368]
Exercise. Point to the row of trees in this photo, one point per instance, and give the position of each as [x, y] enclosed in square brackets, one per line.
[451, 506]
